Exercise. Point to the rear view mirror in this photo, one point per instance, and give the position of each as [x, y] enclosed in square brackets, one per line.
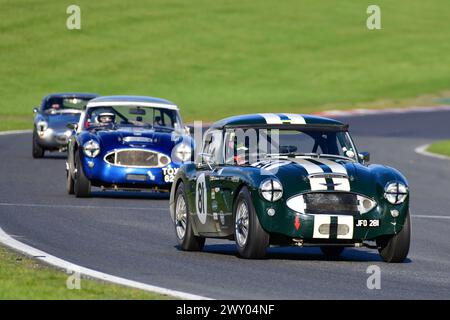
[137, 111]
[72, 126]
[364, 156]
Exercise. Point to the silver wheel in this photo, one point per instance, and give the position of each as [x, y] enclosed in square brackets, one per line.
[180, 217]
[241, 228]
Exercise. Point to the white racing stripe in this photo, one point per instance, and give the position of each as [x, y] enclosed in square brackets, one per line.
[271, 118]
[295, 118]
[317, 184]
[322, 219]
[319, 220]
[341, 184]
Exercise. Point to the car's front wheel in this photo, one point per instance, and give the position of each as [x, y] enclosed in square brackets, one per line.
[38, 151]
[82, 185]
[186, 238]
[395, 248]
[251, 239]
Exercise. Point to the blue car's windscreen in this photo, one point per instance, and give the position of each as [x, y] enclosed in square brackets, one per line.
[132, 116]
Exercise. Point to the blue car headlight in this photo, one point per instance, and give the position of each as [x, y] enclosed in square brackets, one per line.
[395, 192]
[182, 153]
[91, 148]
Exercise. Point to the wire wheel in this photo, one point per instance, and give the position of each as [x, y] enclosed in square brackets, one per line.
[180, 217]
[242, 218]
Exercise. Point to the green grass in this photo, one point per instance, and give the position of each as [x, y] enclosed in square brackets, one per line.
[24, 278]
[440, 147]
[218, 58]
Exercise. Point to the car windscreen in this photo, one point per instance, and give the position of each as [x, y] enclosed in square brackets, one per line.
[64, 104]
[133, 116]
[251, 145]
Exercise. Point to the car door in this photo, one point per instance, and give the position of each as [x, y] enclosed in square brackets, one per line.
[208, 163]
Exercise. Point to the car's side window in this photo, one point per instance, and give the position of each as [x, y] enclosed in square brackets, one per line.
[212, 146]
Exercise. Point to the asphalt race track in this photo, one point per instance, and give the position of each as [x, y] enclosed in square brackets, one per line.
[132, 236]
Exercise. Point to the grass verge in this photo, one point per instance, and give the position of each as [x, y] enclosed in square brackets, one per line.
[440, 147]
[25, 278]
[219, 58]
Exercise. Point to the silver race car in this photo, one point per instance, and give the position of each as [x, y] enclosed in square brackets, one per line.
[52, 118]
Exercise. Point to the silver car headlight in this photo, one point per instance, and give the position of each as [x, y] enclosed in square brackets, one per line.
[395, 192]
[91, 148]
[271, 190]
[182, 152]
[42, 126]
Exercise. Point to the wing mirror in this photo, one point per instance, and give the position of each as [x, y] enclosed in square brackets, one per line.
[35, 110]
[72, 126]
[364, 156]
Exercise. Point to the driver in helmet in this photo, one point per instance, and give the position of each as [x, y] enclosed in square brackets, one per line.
[105, 118]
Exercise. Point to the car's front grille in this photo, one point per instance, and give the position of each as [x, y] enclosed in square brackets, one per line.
[133, 158]
[331, 203]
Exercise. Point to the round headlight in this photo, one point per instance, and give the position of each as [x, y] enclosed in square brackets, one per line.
[182, 152]
[42, 126]
[395, 192]
[91, 148]
[271, 190]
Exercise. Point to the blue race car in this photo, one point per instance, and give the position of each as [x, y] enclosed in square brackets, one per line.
[127, 142]
[52, 117]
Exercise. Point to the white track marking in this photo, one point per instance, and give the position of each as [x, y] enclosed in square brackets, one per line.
[6, 133]
[62, 264]
[5, 204]
[424, 216]
[423, 151]
[369, 112]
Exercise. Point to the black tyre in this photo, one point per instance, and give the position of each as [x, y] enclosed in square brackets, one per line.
[332, 251]
[38, 151]
[186, 238]
[395, 248]
[69, 183]
[82, 185]
[251, 239]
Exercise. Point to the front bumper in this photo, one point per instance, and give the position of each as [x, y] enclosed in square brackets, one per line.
[331, 227]
[53, 139]
[102, 174]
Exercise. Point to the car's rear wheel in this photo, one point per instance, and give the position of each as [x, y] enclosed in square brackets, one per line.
[332, 251]
[38, 151]
[69, 183]
[395, 248]
[82, 185]
[186, 238]
[251, 239]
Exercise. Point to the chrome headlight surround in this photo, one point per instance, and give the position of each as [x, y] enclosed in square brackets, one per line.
[395, 192]
[91, 148]
[182, 152]
[41, 126]
[271, 190]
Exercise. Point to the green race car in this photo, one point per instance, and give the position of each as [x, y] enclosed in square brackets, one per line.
[289, 179]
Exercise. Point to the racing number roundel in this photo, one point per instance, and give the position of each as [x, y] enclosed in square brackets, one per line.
[201, 198]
